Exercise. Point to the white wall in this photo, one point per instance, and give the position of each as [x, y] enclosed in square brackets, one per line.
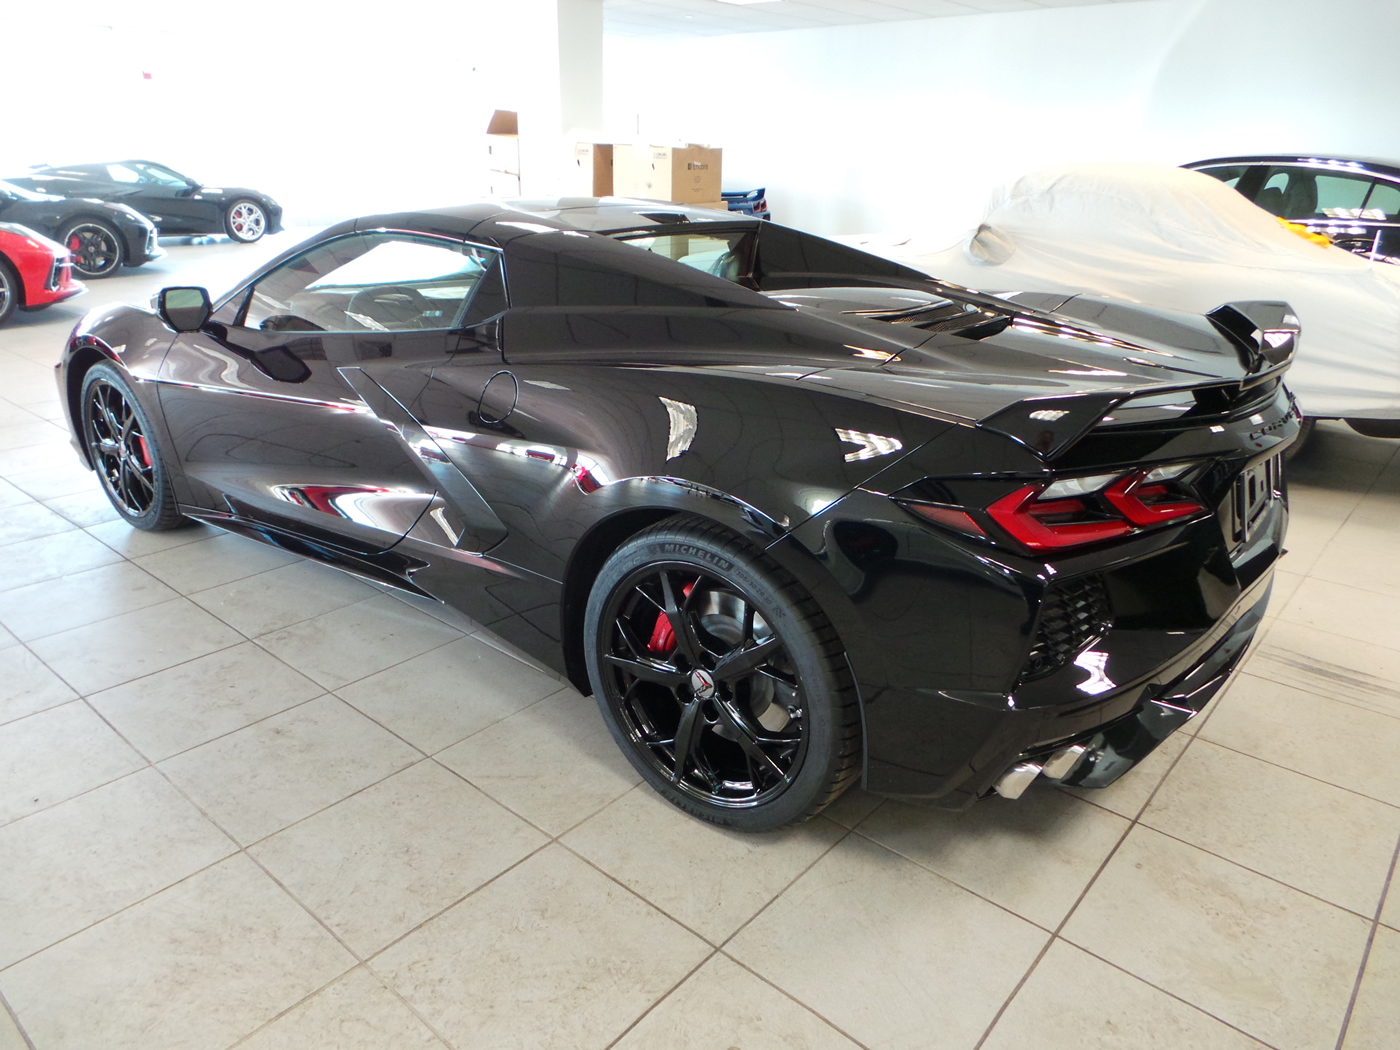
[335, 109]
[907, 125]
[354, 106]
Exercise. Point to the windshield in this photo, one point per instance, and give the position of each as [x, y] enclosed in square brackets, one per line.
[19, 193]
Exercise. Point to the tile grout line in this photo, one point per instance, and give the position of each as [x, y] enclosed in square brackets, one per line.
[14, 1020]
[1055, 934]
[719, 949]
[1299, 772]
[1366, 952]
[1172, 995]
[662, 997]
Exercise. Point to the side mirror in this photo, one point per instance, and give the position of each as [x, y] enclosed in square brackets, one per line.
[185, 309]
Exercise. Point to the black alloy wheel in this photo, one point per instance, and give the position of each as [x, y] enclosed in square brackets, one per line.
[721, 678]
[96, 248]
[9, 291]
[245, 221]
[124, 453]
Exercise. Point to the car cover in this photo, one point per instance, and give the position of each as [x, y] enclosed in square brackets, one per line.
[1176, 239]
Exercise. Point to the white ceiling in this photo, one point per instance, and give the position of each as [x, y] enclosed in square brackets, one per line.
[713, 18]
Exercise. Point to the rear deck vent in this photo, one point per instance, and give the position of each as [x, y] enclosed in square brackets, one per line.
[1072, 614]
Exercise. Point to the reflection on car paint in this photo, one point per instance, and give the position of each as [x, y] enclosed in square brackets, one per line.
[681, 422]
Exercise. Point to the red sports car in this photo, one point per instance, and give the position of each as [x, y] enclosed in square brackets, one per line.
[34, 271]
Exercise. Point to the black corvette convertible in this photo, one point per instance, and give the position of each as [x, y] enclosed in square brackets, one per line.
[176, 203]
[101, 236]
[797, 516]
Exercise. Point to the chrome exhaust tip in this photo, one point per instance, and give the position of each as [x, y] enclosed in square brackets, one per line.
[1062, 762]
[1013, 783]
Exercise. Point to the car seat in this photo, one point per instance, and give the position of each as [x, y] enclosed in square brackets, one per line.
[1271, 200]
[1300, 202]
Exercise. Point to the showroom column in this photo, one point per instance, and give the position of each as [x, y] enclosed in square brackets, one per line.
[557, 85]
[580, 64]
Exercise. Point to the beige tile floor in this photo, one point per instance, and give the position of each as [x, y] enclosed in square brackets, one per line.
[246, 801]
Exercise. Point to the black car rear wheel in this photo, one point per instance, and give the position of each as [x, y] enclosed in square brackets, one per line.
[96, 248]
[9, 290]
[721, 678]
[245, 221]
[124, 452]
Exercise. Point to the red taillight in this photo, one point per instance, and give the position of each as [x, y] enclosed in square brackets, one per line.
[1144, 504]
[1051, 525]
[1131, 502]
[950, 517]
[1066, 512]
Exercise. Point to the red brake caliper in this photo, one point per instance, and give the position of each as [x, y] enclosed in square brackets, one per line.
[145, 451]
[663, 638]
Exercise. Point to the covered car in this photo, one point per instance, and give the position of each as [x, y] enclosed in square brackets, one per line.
[1180, 240]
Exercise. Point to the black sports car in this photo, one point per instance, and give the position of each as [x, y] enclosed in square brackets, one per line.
[176, 203]
[102, 236]
[1354, 202]
[796, 515]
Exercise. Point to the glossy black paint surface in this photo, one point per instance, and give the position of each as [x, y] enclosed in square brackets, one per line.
[51, 215]
[1375, 236]
[594, 388]
[176, 207]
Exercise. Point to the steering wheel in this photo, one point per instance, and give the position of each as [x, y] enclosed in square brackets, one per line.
[390, 305]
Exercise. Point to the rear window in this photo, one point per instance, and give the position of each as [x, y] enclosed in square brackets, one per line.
[1230, 174]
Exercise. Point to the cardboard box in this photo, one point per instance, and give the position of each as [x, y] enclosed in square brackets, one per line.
[592, 172]
[503, 142]
[684, 174]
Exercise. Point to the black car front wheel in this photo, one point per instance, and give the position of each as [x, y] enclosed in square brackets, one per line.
[125, 453]
[721, 678]
[245, 221]
[96, 248]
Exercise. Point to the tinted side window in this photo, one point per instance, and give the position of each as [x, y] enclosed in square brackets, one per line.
[783, 250]
[1383, 205]
[121, 173]
[720, 254]
[369, 283]
[560, 269]
[162, 176]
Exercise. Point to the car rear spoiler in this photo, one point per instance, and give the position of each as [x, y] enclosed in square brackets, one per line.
[1264, 333]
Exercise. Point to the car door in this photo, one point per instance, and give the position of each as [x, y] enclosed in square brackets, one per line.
[170, 200]
[281, 408]
[1382, 213]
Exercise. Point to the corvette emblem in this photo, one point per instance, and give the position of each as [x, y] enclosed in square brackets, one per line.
[702, 683]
